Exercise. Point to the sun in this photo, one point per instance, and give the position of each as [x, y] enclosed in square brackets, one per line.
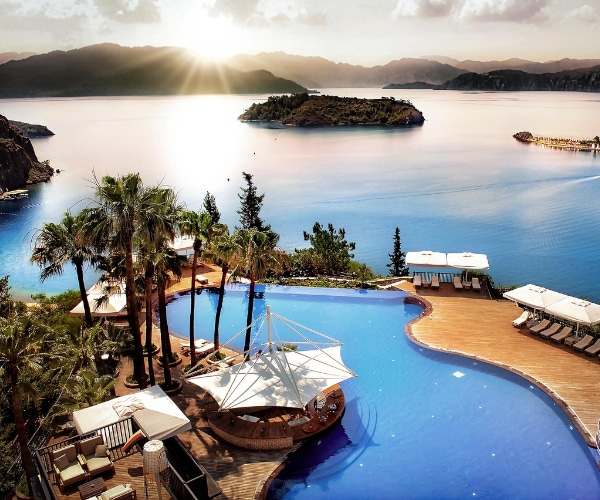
[215, 39]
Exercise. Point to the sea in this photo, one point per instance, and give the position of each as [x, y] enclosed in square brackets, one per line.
[458, 183]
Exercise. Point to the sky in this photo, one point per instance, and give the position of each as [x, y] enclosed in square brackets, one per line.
[367, 32]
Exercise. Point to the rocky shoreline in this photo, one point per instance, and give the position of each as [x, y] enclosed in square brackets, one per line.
[587, 145]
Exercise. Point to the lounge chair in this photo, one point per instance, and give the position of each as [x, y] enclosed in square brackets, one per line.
[417, 282]
[584, 343]
[542, 325]
[205, 349]
[553, 330]
[475, 285]
[435, 282]
[594, 349]
[67, 468]
[457, 283]
[562, 335]
[94, 456]
[521, 320]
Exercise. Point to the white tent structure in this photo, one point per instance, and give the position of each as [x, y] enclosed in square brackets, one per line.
[103, 305]
[155, 413]
[182, 243]
[578, 311]
[278, 376]
[534, 296]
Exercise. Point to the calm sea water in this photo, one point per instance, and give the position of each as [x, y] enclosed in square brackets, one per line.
[418, 423]
[458, 183]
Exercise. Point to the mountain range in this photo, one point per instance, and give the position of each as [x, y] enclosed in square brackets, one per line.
[109, 69]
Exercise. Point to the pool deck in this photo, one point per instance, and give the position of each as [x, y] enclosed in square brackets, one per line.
[466, 323]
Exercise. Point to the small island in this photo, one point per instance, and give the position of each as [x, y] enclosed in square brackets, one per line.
[589, 145]
[303, 110]
[32, 130]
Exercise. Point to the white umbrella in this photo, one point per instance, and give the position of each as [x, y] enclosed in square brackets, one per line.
[576, 310]
[101, 305]
[181, 243]
[426, 258]
[468, 260]
[534, 296]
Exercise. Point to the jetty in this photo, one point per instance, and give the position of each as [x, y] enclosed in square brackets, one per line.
[587, 145]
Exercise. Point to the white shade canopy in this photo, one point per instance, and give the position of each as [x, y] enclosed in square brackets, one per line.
[277, 378]
[181, 243]
[468, 260]
[155, 413]
[426, 258]
[101, 305]
[534, 296]
[576, 310]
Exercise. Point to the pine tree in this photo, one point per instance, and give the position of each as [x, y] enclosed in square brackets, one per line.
[210, 205]
[251, 203]
[397, 265]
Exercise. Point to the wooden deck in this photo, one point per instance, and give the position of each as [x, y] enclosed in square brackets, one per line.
[470, 324]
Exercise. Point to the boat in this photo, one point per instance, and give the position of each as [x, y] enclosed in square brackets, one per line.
[17, 194]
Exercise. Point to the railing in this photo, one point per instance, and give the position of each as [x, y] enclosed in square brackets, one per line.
[444, 277]
[186, 480]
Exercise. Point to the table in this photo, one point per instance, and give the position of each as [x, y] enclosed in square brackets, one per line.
[91, 488]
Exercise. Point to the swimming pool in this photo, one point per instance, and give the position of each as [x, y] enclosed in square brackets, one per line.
[418, 424]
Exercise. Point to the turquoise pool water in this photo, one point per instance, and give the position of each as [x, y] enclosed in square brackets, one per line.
[418, 424]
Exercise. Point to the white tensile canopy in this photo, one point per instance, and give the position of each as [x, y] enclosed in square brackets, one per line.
[155, 413]
[102, 305]
[278, 378]
[578, 311]
[277, 375]
[426, 258]
[534, 296]
[468, 260]
[181, 243]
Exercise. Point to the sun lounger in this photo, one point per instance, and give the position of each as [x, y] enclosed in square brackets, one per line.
[205, 349]
[553, 330]
[475, 285]
[201, 279]
[435, 282]
[417, 282]
[542, 325]
[594, 349]
[521, 320]
[457, 283]
[584, 343]
[563, 334]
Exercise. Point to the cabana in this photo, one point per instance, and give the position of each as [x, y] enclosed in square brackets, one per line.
[154, 412]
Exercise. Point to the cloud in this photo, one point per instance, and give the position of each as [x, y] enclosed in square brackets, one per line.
[266, 12]
[474, 10]
[585, 13]
[129, 11]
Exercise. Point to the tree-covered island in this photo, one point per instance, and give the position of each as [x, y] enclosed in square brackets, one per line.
[303, 110]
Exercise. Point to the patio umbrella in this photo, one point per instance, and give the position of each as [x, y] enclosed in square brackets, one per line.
[426, 258]
[536, 297]
[576, 310]
[468, 260]
[182, 243]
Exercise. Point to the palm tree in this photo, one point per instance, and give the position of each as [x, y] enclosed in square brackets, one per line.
[197, 225]
[83, 390]
[149, 279]
[256, 252]
[224, 252]
[67, 241]
[128, 210]
[22, 349]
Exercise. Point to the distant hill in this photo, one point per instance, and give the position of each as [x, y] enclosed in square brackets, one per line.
[316, 72]
[580, 80]
[109, 69]
[515, 63]
[14, 56]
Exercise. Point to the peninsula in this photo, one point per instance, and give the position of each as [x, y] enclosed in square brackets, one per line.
[303, 110]
[590, 145]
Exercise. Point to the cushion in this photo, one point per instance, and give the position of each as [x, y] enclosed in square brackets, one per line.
[97, 465]
[88, 446]
[61, 462]
[73, 472]
[100, 451]
[135, 437]
[113, 492]
[69, 451]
